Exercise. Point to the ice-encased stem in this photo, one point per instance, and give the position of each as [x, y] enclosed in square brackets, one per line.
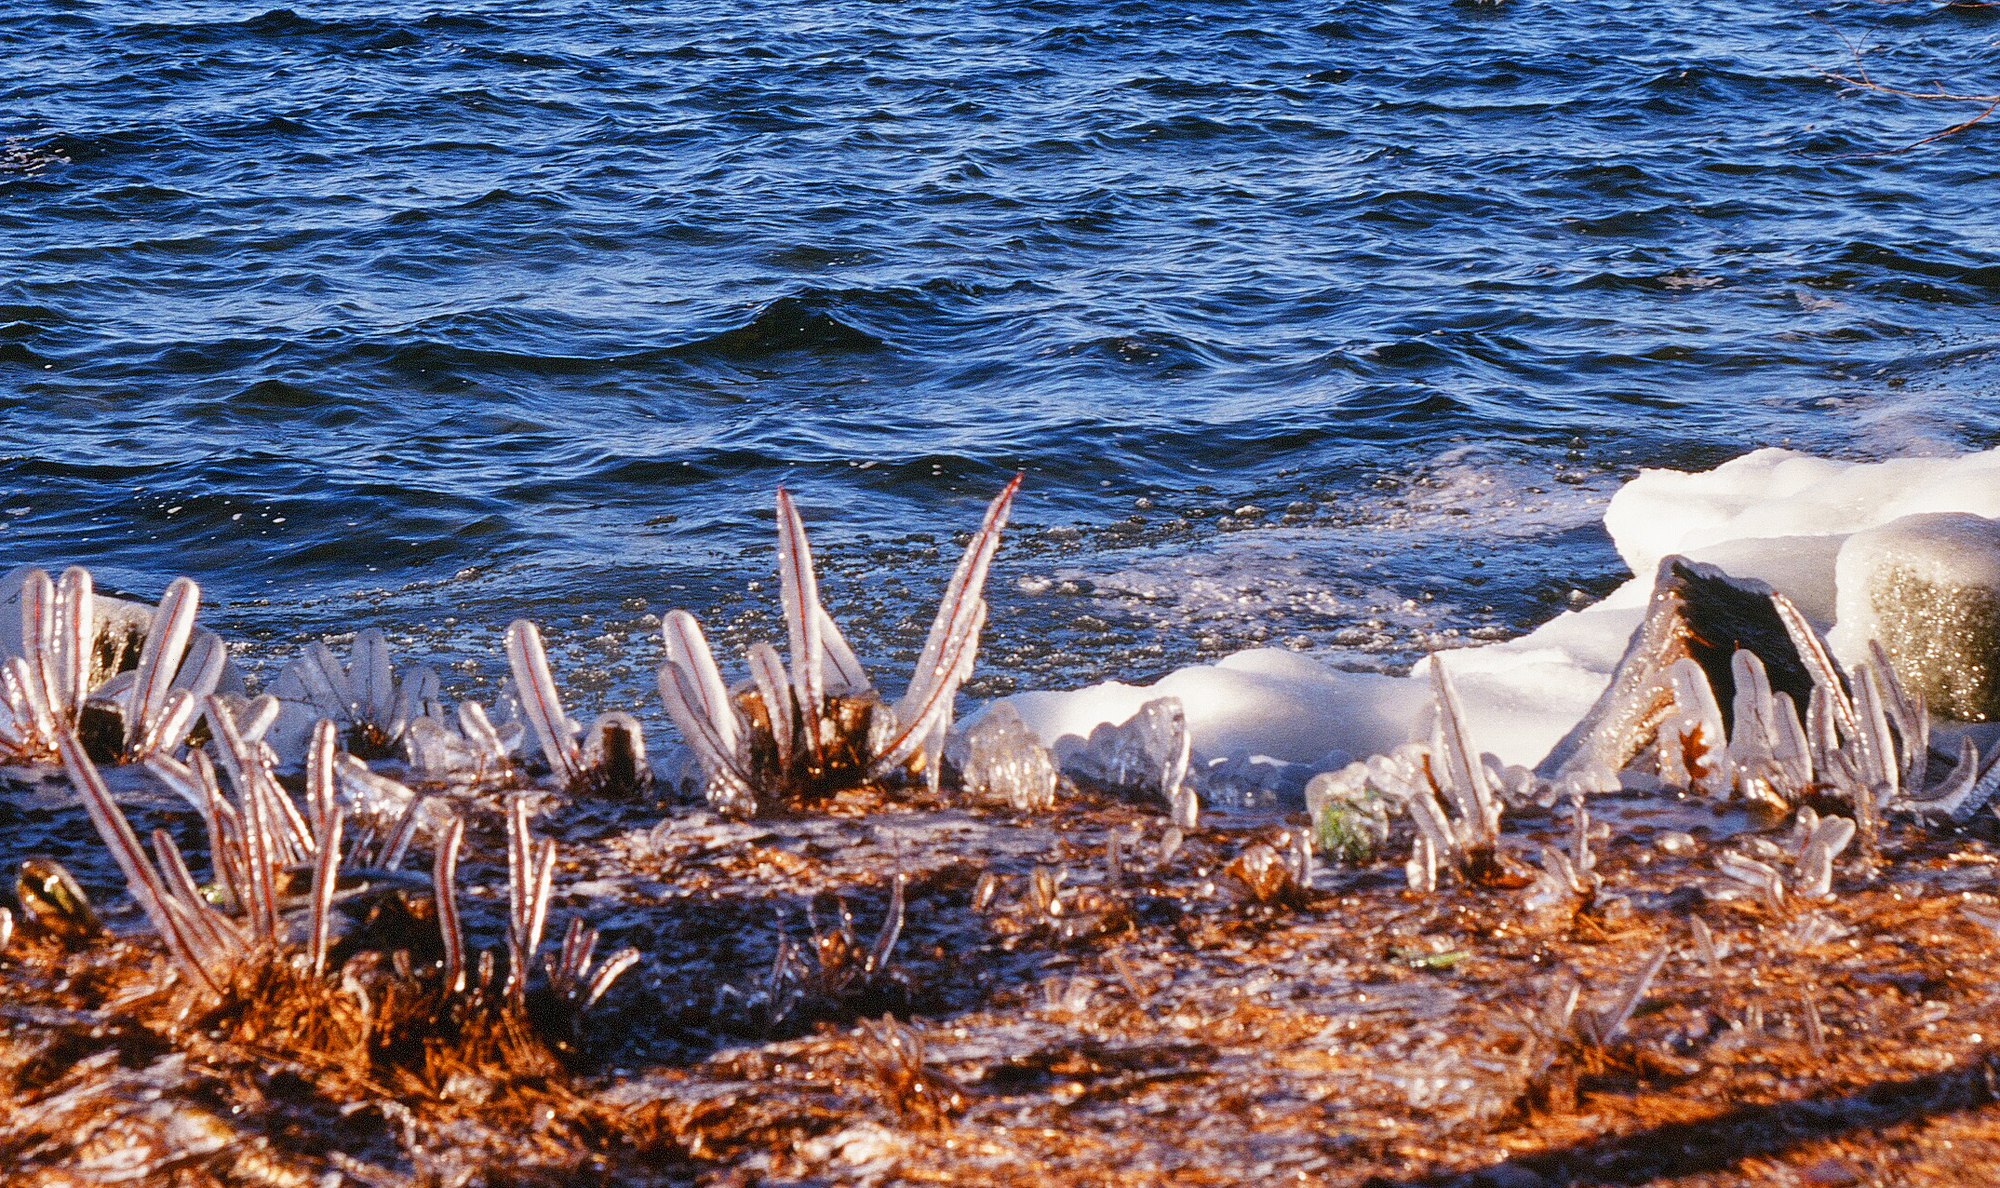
[961, 610]
[539, 699]
[319, 773]
[1911, 718]
[798, 590]
[444, 875]
[325, 875]
[1465, 776]
[76, 624]
[160, 657]
[768, 672]
[1876, 747]
[141, 877]
[1819, 663]
[931, 700]
[371, 676]
[531, 874]
[1697, 713]
[696, 697]
[39, 613]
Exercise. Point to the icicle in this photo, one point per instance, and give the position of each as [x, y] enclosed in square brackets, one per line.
[1465, 777]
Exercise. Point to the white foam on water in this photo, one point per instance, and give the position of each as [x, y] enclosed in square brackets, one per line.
[1348, 575]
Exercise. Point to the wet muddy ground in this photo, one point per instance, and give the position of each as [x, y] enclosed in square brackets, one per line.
[1083, 996]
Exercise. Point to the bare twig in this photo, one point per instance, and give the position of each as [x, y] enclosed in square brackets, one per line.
[1860, 80]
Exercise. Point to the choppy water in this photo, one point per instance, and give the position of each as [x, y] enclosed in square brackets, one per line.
[430, 316]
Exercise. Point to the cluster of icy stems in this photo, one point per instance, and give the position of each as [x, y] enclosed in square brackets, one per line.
[45, 693]
[1444, 786]
[784, 734]
[373, 710]
[1863, 739]
[1844, 746]
[378, 716]
[809, 730]
[818, 725]
[827, 971]
[1568, 875]
[789, 732]
[257, 835]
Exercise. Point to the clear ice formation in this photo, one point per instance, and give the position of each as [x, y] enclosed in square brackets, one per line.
[1928, 588]
[1147, 755]
[372, 708]
[1252, 783]
[475, 752]
[1003, 761]
[1349, 815]
[1808, 873]
[1448, 789]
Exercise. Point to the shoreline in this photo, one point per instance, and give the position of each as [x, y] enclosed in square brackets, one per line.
[1094, 994]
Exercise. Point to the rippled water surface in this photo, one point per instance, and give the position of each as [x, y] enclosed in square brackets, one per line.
[1330, 324]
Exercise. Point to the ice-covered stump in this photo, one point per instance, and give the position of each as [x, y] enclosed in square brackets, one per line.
[1928, 588]
[118, 629]
[1697, 613]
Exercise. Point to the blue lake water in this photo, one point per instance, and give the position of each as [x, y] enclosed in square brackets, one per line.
[430, 316]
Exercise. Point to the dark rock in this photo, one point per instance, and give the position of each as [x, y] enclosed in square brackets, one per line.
[1697, 612]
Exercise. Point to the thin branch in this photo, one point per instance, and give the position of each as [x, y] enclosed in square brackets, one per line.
[1860, 80]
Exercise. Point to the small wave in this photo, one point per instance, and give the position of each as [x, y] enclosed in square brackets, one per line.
[1912, 273]
[31, 317]
[784, 326]
[278, 27]
[1156, 349]
[688, 468]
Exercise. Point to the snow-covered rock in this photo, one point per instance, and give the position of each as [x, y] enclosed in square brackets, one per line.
[1927, 587]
